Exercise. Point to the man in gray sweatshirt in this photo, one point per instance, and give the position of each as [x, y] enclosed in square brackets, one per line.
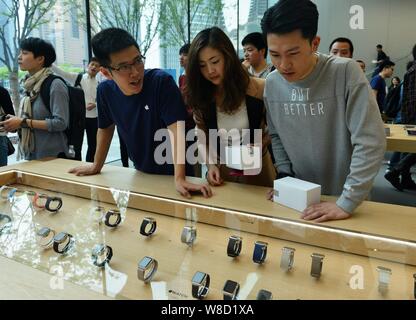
[322, 116]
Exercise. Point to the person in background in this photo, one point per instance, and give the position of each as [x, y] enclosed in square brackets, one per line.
[381, 56]
[341, 47]
[399, 175]
[183, 61]
[255, 55]
[6, 108]
[88, 83]
[361, 63]
[41, 131]
[378, 83]
[321, 113]
[189, 122]
[225, 98]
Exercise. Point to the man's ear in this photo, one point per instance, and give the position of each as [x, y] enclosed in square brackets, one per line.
[106, 73]
[41, 60]
[262, 51]
[315, 43]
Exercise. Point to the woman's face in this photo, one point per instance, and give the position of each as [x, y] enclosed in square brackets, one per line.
[395, 82]
[211, 64]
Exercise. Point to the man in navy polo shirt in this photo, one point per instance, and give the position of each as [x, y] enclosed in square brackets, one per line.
[139, 102]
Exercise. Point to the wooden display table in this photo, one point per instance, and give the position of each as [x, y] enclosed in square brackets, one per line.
[377, 235]
[399, 140]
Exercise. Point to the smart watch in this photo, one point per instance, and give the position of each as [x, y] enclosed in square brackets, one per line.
[101, 255]
[260, 252]
[200, 285]
[45, 237]
[384, 275]
[39, 200]
[316, 267]
[24, 124]
[230, 290]
[148, 226]
[5, 222]
[146, 269]
[97, 214]
[264, 295]
[112, 218]
[287, 260]
[4, 192]
[414, 287]
[188, 235]
[234, 246]
[63, 242]
[53, 204]
[11, 194]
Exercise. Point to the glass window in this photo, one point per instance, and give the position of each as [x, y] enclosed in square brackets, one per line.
[61, 25]
[250, 15]
[74, 22]
[220, 13]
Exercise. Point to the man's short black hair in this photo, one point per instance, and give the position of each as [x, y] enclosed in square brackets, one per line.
[386, 64]
[93, 59]
[109, 41]
[289, 15]
[345, 40]
[39, 48]
[256, 39]
[379, 46]
[184, 49]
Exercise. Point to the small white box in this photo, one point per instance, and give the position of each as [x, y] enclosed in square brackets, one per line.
[296, 194]
[243, 157]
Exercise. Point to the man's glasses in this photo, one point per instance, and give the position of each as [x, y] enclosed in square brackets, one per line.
[127, 68]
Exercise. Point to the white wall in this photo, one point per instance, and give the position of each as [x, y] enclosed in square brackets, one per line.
[391, 23]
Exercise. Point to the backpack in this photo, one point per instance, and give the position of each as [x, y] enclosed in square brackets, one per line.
[392, 105]
[77, 83]
[77, 110]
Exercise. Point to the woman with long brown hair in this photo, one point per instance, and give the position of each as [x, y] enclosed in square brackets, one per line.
[223, 96]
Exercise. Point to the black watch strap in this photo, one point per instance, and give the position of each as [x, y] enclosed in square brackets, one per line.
[24, 124]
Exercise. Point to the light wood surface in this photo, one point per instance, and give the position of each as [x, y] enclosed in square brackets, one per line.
[177, 262]
[19, 281]
[399, 140]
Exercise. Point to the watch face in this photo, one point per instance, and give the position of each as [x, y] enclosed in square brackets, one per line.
[114, 212]
[198, 277]
[317, 256]
[261, 243]
[149, 220]
[287, 249]
[61, 236]
[264, 295]
[98, 249]
[230, 286]
[44, 232]
[236, 239]
[145, 263]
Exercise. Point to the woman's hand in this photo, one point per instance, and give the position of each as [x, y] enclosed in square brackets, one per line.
[214, 176]
[11, 124]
